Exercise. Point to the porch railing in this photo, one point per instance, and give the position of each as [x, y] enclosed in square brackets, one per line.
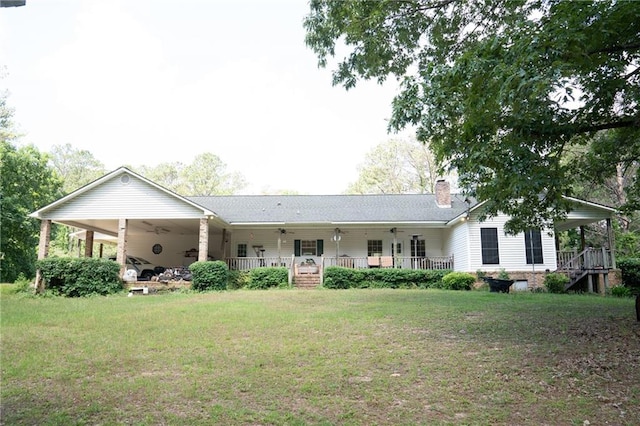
[588, 259]
[432, 262]
[248, 263]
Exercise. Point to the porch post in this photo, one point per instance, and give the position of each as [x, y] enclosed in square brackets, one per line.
[612, 243]
[582, 239]
[121, 251]
[43, 250]
[88, 244]
[203, 241]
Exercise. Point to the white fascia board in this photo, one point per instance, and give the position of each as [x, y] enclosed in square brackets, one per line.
[591, 204]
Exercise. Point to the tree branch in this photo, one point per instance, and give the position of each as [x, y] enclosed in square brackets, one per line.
[617, 48]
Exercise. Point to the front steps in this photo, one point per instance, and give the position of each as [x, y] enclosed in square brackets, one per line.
[306, 281]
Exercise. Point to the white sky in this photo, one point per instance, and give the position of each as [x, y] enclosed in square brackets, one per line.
[148, 81]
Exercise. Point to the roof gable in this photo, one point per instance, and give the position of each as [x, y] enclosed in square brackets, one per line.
[121, 193]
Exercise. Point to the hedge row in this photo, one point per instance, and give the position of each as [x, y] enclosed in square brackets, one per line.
[336, 277]
[77, 277]
[216, 276]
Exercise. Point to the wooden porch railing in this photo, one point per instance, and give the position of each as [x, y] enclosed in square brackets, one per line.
[248, 263]
[588, 262]
[433, 262]
[588, 259]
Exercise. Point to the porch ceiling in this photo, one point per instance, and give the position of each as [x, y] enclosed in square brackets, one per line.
[138, 227]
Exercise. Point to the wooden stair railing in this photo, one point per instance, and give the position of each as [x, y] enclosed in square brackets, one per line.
[588, 261]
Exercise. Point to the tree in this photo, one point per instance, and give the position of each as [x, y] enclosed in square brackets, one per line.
[399, 166]
[75, 167]
[206, 175]
[501, 89]
[27, 183]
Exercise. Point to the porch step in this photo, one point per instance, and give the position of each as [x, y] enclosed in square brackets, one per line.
[306, 281]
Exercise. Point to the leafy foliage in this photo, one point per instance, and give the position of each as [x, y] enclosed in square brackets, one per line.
[78, 277]
[621, 291]
[399, 166]
[458, 281]
[555, 282]
[238, 279]
[630, 268]
[27, 184]
[209, 275]
[264, 278]
[499, 89]
[206, 175]
[336, 277]
[75, 167]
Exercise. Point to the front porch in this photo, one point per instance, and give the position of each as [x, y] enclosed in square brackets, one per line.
[294, 262]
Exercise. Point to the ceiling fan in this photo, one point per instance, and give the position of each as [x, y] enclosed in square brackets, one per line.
[156, 229]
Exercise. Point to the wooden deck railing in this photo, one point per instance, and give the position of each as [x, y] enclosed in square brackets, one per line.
[588, 259]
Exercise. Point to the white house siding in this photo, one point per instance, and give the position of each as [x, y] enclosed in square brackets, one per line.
[133, 200]
[511, 249]
[457, 243]
[353, 242]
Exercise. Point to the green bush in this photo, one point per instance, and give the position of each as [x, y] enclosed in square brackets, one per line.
[630, 268]
[238, 279]
[621, 291]
[458, 281]
[503, 275]
[556, 282]
[336, 277]
[209, 275]
[78, 277]
[264, 278]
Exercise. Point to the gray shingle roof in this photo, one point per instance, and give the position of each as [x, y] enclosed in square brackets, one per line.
[310, 209]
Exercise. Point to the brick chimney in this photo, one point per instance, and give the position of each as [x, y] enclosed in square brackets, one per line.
[443, 194]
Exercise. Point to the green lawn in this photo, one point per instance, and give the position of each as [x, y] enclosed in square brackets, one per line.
[320, 357]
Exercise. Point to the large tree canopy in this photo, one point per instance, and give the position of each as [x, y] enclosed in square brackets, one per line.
[398, 166]
[500, 89]
[26, 184]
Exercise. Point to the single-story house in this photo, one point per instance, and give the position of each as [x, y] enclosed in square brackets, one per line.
[307, 233]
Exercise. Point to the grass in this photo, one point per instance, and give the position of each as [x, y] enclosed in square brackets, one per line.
[350, 357]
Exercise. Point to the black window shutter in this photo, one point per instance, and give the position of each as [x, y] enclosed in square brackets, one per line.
[319, 247]
[296, 247]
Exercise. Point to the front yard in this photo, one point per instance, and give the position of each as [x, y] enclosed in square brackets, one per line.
[343, 357]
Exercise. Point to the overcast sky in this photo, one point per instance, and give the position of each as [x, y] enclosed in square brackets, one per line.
[143, 82]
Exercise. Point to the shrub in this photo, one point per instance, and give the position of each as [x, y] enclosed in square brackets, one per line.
[209, 275]
[630, 268]
[77, 277]
[336, 277]
[264, 278]
[621, 291]
[238, 279]
[22, 284]
[458, 281]
[556, 282]
[503, 275]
